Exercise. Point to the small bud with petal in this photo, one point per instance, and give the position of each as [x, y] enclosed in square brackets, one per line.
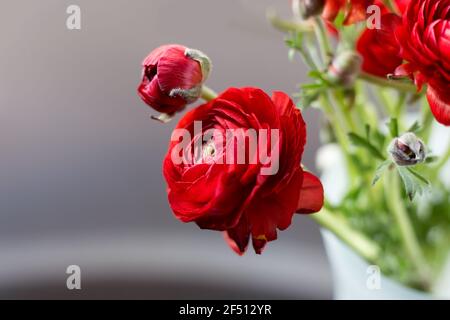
[407, 150]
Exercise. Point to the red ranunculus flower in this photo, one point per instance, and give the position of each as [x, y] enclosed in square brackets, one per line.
[402, 4]
[172, 77]
[379, 47]
[240, 198]
[424, 38]
[355, 10]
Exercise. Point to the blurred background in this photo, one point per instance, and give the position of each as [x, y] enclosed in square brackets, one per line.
[80, 163]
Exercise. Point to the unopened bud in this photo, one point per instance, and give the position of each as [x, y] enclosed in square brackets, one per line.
[344, 68]
[307, 8]
[407, 150]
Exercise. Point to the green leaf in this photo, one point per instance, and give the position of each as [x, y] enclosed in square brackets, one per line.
[418, 176]
[362, 142]
[367, 127]
[414, 183]
[380, 170]
[431, 159]
[309, 86]
[393, 127]
[415, 127]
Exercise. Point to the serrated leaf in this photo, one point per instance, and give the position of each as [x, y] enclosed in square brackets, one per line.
[380, 170]
[362, 142]
[414, 183]
[419, 176]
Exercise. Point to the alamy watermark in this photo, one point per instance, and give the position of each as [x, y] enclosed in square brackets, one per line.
[373, 281]
[73, 281]
[73, 21]
[374, 20]
[232, 146]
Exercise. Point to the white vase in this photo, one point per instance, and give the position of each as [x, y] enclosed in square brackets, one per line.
[353, 278]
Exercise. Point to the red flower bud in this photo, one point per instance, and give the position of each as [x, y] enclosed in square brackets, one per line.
[172, 77]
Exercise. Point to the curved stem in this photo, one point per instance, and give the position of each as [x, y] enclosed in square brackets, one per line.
[362, 245]
[396, 84]
[207, 93]
[413, 250]
[287, 25]
[324, 41]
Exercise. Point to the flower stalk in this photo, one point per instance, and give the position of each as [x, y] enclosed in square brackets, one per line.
[395, 204]
[207, 93]
[365, 247]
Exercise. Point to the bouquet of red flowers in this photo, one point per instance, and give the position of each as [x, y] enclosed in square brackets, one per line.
[380, 71]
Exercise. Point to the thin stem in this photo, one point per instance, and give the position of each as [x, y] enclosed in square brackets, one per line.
[442, 160]
[208, 94]
[324, 41]
[364, 246]
[344, 110]
[336, 122]
[287, 25]
[390, 6]
[396, 84]
[395, 204]
[427, 120]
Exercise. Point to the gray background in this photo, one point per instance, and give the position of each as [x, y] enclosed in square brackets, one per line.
[80, 161]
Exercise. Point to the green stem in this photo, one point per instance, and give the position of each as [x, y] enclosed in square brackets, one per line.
[344, 110]
[442, 161]
[324, 41]
[287, 25]
[398, 110]
[395, 204]
[362, 245]
[427, 120]
[390, 6]
[396, 84]
[336, 122]
[207, 93]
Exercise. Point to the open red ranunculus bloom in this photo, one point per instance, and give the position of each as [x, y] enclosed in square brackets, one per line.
[240, 198]
[424, 38]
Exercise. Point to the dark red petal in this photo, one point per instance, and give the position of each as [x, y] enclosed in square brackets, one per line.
[379, 47]
[238, 237]
[259, 244]
[177, 71]
[402, 4]
[357, 11]
[153, 58]
[274, 211]
[439, 101]
[311, 194]
[332, 8]
[151, 94]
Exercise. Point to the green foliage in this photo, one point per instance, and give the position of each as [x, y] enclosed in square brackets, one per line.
[380, 170]
[393, 127]
[354, 115]
[359, 141]
[414, 183]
